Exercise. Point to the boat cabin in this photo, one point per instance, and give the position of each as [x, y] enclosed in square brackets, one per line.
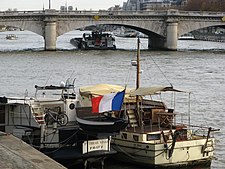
[95, 40]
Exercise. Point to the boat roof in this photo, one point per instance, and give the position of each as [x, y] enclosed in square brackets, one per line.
[51, 87]
[102, 89]
[143, 91]
[18, 100]
[98, 33]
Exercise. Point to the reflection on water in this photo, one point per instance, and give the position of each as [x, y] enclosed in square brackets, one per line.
[117, 165]
[114, 164]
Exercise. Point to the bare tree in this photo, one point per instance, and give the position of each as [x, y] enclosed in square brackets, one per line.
[205, 5]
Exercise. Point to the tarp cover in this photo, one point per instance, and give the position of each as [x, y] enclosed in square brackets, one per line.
[102, 89]
[143, 91]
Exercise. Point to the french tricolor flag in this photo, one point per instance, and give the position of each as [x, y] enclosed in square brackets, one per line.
[108, 102]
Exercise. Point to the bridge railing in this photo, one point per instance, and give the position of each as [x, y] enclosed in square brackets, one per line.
[106, 12]
[19, 13]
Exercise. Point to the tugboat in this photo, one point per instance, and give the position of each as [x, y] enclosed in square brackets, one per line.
[94, 40]
[50, 125]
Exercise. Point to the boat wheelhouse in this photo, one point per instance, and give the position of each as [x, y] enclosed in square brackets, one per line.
[95, 40]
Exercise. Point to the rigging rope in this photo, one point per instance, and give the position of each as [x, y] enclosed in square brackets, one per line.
[161, 71]
[158, 67]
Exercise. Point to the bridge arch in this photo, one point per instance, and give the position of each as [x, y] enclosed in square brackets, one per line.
[188, 26]
[146, 27]
[36, 27]
[155, 36]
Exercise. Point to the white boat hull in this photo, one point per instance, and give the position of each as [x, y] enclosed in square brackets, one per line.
[185, 152]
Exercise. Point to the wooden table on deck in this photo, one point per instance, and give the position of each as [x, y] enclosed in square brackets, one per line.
[166, 118]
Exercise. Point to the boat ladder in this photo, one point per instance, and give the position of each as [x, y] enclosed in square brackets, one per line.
[208, 143]
[40, 119]
[38, 113]
[132, 118]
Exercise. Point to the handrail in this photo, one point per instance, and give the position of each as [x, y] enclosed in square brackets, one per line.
[203, 127]
[106, 12]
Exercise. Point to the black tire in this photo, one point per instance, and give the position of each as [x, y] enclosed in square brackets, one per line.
[49, 119]
[62, 119]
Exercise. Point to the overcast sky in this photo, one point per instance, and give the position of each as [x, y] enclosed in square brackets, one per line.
[38, 4]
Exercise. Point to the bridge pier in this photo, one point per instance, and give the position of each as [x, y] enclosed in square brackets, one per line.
[50, 36]
[171, 36]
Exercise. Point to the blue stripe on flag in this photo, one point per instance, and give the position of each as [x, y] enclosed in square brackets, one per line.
[117, 101]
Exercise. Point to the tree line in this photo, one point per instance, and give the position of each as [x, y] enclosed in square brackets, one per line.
[205, 5]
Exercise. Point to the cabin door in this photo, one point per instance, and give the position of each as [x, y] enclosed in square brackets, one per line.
[2, 118]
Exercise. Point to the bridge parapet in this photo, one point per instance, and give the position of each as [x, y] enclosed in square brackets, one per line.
[106, 12]
[20, 13]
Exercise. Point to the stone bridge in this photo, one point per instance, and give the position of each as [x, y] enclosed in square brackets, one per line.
[162, 27]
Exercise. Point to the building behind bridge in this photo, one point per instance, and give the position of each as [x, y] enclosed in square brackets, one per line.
[152, 4]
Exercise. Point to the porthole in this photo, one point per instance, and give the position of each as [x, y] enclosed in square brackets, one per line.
[72, 106]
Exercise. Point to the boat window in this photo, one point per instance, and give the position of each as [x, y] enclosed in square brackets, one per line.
[135, 137]
[170, 110]
[153, 137]
[124, 135]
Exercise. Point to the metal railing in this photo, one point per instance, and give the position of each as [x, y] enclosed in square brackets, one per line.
[106, 12]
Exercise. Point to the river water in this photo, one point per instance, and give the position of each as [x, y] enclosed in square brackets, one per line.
[197, 66]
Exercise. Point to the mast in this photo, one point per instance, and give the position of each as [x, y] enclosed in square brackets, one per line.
[49, 4]
[138, 64]
[138, 83]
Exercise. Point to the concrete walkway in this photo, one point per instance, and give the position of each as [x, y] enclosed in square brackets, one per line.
[16, 154]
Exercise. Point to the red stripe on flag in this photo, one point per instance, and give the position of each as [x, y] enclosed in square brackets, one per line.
[95, 104]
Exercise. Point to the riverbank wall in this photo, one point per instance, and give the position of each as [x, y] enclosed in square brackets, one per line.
[16, 154]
